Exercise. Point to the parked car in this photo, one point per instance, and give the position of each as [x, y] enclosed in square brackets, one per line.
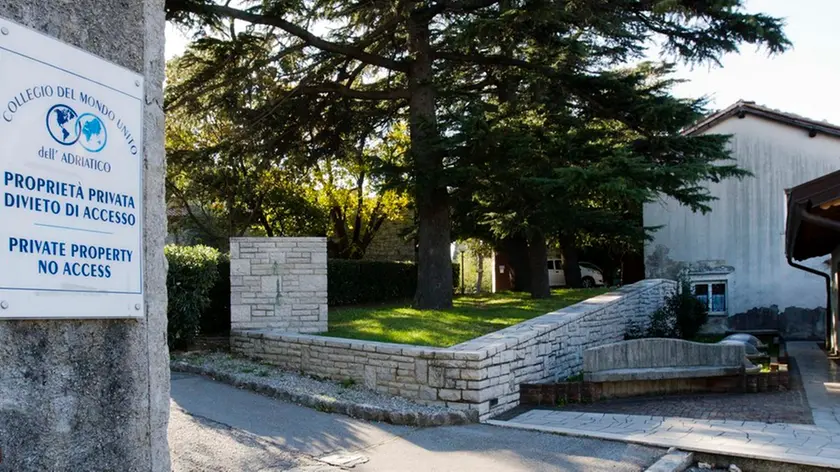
[590, 274]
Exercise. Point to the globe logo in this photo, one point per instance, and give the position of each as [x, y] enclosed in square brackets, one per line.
[68, 127]
[91, 132]
[61, 124]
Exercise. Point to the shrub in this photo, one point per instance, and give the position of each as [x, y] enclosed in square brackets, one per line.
[354, 282]
[216, 318]
[192, 274]
[635, 330]
[682, 316]
[351, 282]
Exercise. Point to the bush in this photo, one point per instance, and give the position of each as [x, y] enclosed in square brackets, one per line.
[354, 282]
[216, 318]
[193, 271]
[682, 316]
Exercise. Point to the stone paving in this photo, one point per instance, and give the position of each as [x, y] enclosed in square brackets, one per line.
[816, 445]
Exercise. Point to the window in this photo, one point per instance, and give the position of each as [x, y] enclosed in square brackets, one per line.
[550, 265]
[712, 294]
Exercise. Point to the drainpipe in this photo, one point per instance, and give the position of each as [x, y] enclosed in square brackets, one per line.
[826, 223]
[828, 320]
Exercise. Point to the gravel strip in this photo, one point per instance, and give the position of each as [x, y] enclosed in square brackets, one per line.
[323, 395]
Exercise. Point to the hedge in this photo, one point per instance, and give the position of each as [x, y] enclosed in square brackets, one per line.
[354, 282]
[198, 285]
[215, 319]
[193, 273]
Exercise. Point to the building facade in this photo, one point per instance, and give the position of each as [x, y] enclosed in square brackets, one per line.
[734, 255]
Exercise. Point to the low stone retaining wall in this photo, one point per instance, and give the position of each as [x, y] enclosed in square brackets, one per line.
[317, 399]
[562, 393]
[483, 374]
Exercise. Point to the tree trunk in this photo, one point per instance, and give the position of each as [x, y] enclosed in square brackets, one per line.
[609, 267]
[632, 268]
[434, 262]
[269, 231]
[538, 257]
[516, 248]
[571, 261]
[633, 262]
[480, 278]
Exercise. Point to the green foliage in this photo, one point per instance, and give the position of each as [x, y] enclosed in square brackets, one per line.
[228, 177]
[192, 274]
[470, 317]
[682, 316]
[216, 318]
[352, 282]
[478, 256]
[539, 83]
[575, 378]
[224, 187]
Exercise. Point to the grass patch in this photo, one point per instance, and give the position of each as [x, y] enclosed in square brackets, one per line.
[573, 378]
[470, 317]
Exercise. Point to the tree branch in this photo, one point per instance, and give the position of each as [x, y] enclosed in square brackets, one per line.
[463, 6]
[295, 30]
[180, 196]
[348, 92]
[505, 61]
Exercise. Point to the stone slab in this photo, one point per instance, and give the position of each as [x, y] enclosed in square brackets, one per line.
[673, 461]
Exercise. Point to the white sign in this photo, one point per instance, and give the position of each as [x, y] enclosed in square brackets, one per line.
[71, 160]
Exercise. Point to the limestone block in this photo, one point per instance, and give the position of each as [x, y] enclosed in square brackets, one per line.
[473, 396]
[240, 313]
[436, 376]
[449, 394]
[240, 267]
[271, 284]
[313, 282]
[427, 393]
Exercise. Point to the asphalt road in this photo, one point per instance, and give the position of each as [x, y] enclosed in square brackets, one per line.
[218, 428]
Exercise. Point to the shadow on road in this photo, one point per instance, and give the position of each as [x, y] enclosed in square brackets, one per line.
[246, 421]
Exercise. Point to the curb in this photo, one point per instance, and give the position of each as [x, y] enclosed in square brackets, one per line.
[673, 461]
[783, 462]
[354, 410]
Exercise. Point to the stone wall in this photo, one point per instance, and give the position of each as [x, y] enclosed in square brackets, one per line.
[483, 374]
[389, 244]
[93, 395]
[278, 283]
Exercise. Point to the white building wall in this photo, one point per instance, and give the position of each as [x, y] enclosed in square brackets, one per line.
[746, 227]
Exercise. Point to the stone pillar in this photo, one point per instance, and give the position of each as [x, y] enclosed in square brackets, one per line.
[278, 283]
[93, 395]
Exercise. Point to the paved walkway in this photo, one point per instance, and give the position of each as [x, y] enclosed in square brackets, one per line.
[789, 406]
[817, 444]
[218, 428]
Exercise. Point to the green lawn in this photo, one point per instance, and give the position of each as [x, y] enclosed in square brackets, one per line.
[471, 317]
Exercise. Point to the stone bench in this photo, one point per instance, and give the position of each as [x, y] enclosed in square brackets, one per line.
[661, 359]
